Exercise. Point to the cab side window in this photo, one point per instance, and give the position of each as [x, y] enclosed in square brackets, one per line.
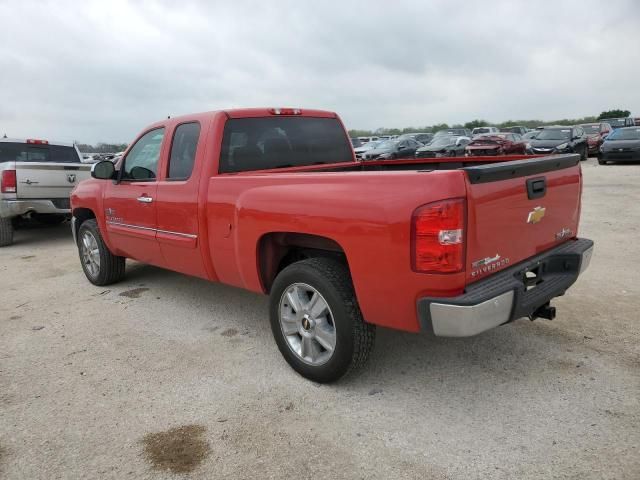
[183, 151]
[141, 163]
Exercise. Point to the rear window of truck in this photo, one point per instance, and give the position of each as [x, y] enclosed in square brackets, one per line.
[24, 152]
[279, 142]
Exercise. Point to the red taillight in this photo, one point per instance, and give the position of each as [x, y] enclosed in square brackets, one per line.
[437, 234]
[37, 142]
[9, 182]
[285, 111]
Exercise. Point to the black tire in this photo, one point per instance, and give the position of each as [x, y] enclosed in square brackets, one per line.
[6, 232]
[354, 337]
[111, 267]
[453, 153]
[585, 154]
[601, 161]
[49, 219]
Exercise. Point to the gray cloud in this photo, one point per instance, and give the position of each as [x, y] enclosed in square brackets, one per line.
[100, 71]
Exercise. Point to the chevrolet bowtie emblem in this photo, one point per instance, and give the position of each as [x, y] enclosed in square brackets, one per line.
[536, 215]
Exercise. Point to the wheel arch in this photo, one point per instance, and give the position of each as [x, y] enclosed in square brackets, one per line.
[277, 250]
[81, 215]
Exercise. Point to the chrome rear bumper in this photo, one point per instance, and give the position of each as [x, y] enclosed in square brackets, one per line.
[506, 296]
[10, 208]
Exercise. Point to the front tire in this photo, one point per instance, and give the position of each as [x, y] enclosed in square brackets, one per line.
[6, 232]
[316, 321]
[100, 266]
[585, 154]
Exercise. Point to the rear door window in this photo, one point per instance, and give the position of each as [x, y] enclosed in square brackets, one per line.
[183, 151]
[279, 142]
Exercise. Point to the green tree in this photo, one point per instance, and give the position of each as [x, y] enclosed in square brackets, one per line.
[475, 124]
[616, 113]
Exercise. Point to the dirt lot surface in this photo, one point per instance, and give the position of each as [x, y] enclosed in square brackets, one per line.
[166, 376]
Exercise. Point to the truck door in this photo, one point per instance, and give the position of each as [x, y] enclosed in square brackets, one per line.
[130, 204]
[177, 230]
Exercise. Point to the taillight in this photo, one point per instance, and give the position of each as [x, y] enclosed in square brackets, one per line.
[8, 183]
[437, 236]
[285, 111]
[37, 142]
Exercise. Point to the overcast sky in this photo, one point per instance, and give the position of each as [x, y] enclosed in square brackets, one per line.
[101, 71]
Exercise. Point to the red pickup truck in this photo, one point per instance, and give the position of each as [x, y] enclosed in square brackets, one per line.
[274, 201]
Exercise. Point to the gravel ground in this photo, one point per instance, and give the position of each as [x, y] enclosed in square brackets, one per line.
[166, 376]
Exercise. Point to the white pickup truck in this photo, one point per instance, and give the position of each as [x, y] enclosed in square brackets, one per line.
[37, 177]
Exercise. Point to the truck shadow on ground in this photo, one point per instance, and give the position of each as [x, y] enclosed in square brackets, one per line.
[33, 233]
[504, 356]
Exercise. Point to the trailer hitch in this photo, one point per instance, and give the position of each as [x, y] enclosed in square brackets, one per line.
[546, 311]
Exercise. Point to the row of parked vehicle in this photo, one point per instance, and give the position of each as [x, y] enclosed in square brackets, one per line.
[585, 139]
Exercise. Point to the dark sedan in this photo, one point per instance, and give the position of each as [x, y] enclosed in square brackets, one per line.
[552, 140]
[496, 144]
[444, 146]
[621, 145]
[390, 149]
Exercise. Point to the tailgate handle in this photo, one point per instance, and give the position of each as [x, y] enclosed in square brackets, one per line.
[536, 187]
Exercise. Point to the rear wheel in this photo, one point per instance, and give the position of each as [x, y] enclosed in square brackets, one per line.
[316, 321]
[6, 232]
[100, 266]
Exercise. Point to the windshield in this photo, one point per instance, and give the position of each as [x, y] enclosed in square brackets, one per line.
[443, 141]
[554, 134]
[481, 130]
[591, 128]
[616, 122]
[387, 144]
[625, 134]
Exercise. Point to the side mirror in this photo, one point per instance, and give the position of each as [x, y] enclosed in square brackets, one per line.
[104, 170]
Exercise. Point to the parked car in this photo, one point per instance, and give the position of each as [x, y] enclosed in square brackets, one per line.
[496, 144]
[551, 140]
[36, 179]
[339, 246]
[595, 135]
[366, 147]
[355, 142]
[515, 129]
[621, 145]
[367, 139]
[423, 137]
[483, 131]
[390, 149]
[460, 132]
[620, 122]
[444, 146]
[530, 135]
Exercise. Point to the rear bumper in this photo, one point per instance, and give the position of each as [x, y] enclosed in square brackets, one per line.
[16, 207]
[504, 296]
[620, 156]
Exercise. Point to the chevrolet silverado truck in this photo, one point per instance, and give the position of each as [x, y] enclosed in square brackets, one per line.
[274, 201]
[36, 178]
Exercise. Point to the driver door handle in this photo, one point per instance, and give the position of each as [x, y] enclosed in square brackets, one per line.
[145, 199]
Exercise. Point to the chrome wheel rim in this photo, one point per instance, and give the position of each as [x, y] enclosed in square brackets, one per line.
[90, 253]
[307, 324]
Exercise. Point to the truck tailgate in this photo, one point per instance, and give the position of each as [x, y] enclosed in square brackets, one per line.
[49, 180]
[518, 209]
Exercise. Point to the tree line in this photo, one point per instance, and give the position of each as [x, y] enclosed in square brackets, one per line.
[616, 113]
